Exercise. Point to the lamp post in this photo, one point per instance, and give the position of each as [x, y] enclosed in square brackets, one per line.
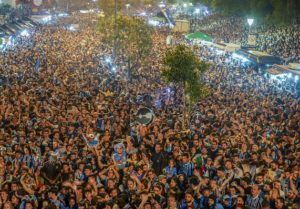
[250, 22]
[115, 39]
[127, 8]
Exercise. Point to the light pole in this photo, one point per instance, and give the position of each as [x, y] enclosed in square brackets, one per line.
[250, 22]
[115, 39]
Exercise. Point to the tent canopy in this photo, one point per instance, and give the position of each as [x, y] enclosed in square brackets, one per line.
[199, 36]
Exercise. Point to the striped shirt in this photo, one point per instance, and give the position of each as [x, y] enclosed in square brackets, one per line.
[254, 203]
[187, 169]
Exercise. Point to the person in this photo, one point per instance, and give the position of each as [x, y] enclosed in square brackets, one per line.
[212, 204]
[171, 170]
[172, 203]
[186, 166]
[51, 170]
[254, 200]
[66, 139]
[159, 159]
[189, 201]
[279, 203]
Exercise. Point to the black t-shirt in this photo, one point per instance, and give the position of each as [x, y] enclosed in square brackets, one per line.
[51, 170]
[66, 176]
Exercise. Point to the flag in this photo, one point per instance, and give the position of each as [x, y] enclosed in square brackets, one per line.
[37, 65]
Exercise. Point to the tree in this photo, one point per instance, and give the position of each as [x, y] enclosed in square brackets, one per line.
[108, 6]
[183, 67]
[274, 11]
[133, 39]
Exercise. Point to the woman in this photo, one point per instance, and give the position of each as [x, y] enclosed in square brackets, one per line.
[15, 201]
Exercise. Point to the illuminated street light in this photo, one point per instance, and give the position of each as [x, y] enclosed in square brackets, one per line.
[161, 5]
[250, 21]
[24, 33]
[107, 60]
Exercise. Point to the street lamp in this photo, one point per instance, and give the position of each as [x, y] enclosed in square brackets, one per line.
[115, 31]
[127, 6]
[250, 21]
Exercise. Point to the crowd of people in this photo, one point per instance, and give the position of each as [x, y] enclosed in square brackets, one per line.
[67, 139]
[227, 29]
[281, 41]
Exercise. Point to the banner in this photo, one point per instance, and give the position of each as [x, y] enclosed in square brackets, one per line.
[37, 65]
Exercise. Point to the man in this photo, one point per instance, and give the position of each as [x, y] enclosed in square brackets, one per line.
[212, 204]
[172, 204]
[53, 197]
[203, 200]
[254, 201]
[159, 159]
[188, 201]
[186, 167]
[51, 170]
[280, 204]
[157, 189]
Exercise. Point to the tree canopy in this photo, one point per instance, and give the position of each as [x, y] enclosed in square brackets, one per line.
[276, 11]
[183, 67]
[108, 6]
[132, 36]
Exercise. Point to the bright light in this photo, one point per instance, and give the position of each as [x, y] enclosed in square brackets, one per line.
[250, 21]
[185, 5]
[107, 60]
[127, 6]
[239, 57]
[113, 69]
[153, 22]
[143, 14]
[296, 78]
[219, 51]
[47, 19]
[24, 33]
[289, 75]
[72, 28]
[84, 11]
[197, 11]
[161, 5]
[62, 15]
